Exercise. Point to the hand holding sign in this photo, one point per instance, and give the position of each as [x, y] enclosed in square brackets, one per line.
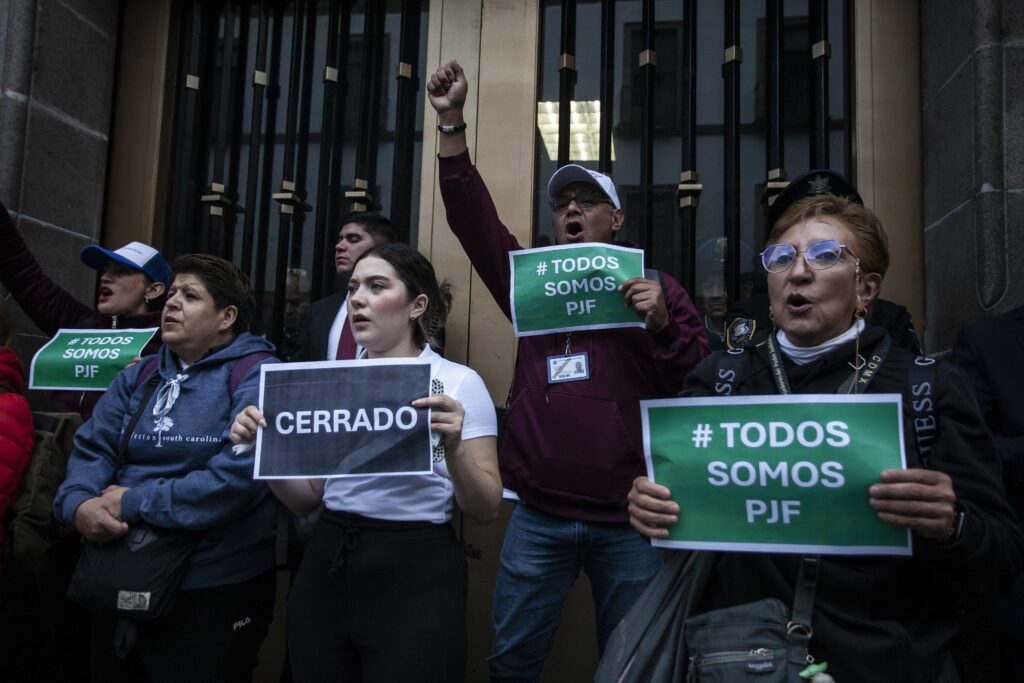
[243, 429]
[920, 500]
[446, 416]
[647, 298]
[651, 508]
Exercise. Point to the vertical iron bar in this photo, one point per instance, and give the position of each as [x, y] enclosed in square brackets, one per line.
[774, 152]
[259, 86]
[848, 81]
[269, 152]
[566, 79]
[305, 116]
[405, 119]
[774, 158]
[213, 224]
[335, 193]
[369, 119]
[327, 132]
[604, 154]
[288, 173]
[376, 98]
[688, 209]
[731, 163]
[648, 72]
[818, 10]
[237, 107]
[184, 127]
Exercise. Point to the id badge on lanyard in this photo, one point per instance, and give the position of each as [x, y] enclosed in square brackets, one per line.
[569, 367]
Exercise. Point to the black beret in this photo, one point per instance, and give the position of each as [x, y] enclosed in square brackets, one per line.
[818, 181]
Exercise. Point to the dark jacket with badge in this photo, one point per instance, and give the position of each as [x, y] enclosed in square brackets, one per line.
[180, 469]
[572, 449]
[51, 308]
[875, 618]
[749, 320]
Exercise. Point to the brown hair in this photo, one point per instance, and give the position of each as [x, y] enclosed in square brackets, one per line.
[417, 274]
[872, 246]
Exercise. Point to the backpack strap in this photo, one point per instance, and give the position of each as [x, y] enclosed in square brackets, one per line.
[151, 381]
[727, 372]
[242, 368]
[147, 370]
[149, 377]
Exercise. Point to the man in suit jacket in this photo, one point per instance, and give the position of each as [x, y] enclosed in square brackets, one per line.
[991, 354]
[325, 333]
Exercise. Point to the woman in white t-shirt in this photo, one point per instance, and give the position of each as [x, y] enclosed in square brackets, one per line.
[381, 591]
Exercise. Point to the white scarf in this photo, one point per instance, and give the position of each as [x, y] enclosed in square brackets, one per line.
[801, 355]
[167, 395]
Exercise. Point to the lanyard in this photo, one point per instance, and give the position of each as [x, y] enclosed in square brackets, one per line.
[853, 384]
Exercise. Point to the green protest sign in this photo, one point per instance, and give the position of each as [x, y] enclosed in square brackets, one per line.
[572, 287]
[86, 360]
[777, 473]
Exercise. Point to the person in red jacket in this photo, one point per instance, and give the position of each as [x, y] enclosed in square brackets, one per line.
[132, 284]
[17, 434]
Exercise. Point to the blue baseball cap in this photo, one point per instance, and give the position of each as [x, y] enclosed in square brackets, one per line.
[137, 255]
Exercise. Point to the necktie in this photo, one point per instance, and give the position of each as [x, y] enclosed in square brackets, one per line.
[346, 344]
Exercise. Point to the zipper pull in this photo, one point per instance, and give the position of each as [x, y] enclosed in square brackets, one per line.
[113, 324]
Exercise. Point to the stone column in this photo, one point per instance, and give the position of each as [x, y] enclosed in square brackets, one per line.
[57, 61]
[972, 57]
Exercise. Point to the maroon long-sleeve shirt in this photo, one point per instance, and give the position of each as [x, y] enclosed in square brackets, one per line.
[572, 449]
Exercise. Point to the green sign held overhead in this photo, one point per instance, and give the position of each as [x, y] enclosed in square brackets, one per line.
[777, 473]
[572, 287]
[86, 360]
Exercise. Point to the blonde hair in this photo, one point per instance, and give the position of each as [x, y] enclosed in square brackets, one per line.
[872, 246]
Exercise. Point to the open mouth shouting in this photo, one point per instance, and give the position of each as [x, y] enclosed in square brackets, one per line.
[574, 231]
[797, 303]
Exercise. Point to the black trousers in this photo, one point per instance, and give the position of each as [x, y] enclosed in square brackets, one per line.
[213, 635]
[379, 601]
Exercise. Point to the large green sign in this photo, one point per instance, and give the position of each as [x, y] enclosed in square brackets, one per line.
[86, 360]
[572, 287]
[777, 473]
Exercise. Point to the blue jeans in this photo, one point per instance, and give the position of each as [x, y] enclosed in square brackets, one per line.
[540, 561]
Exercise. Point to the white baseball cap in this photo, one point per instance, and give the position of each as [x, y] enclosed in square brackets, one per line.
[137, 255]
[574, 173]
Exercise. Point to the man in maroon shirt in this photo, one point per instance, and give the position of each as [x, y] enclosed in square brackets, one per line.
[570, 450]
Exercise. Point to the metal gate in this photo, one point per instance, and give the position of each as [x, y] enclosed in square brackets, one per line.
[701, 111]
[288, 115]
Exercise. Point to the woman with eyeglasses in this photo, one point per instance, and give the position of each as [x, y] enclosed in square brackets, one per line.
[874, 618]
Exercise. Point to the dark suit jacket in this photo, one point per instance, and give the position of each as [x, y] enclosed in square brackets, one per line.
[316, 326]
[991, 352]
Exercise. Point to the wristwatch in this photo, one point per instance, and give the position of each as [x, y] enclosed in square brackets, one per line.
[453, 128]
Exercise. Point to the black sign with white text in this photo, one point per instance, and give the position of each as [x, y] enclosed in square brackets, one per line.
[343, 418]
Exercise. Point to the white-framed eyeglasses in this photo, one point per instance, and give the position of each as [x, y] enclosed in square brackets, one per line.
[820, 255]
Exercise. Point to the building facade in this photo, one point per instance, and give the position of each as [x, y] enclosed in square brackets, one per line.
[248, 128]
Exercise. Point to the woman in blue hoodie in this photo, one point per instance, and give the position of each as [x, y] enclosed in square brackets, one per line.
[179, 472]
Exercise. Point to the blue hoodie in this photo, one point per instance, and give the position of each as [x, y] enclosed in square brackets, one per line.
[179, 468]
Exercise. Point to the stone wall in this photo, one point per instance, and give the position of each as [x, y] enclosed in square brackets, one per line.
[972, 93]
[56, 90]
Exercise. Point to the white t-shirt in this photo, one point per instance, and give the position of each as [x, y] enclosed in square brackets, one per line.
[420, 497]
